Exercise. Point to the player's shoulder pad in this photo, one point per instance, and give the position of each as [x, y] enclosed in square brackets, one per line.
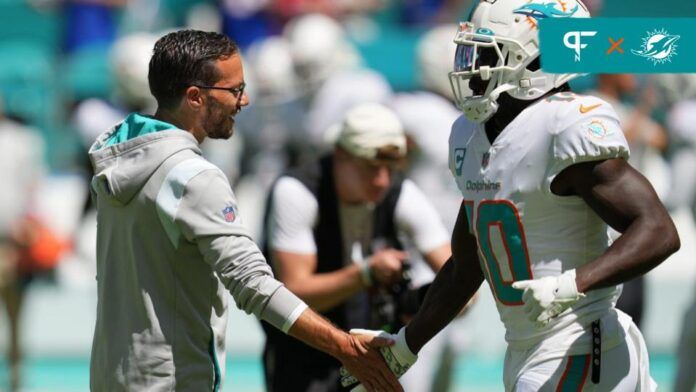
[586, 128]
[584, 109]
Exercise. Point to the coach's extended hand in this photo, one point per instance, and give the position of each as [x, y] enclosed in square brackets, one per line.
[367, 365]
[398, 356]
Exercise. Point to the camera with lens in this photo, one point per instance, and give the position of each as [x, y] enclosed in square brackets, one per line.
[391, 307]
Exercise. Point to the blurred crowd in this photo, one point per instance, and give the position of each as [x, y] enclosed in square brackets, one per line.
[70, 69]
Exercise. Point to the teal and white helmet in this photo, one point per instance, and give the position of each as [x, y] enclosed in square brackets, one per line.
[510, 29]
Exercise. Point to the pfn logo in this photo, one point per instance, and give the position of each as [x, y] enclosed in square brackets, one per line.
[573, 40]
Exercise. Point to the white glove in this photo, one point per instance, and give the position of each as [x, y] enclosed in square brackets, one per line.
[548, 297]
[398, 357]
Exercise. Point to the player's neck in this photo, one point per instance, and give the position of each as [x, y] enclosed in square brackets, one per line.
[509, 109]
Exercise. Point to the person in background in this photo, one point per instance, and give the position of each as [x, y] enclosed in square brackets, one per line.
[171, 243]
[128, 62]
[22, 160]
[331, 73]
[336, 230]
[272, 125]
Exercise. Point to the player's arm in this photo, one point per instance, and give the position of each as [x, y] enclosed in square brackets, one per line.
[626, 201]
[454, 285]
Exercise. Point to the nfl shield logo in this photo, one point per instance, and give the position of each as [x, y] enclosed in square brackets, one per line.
[485, 159]
[229, 214]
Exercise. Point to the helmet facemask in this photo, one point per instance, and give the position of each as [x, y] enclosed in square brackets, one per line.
[499, 61]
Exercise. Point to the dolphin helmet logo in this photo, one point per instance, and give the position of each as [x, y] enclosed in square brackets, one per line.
[659, 46]
[547, 10]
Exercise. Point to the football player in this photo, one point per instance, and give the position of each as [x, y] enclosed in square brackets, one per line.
[542, 172]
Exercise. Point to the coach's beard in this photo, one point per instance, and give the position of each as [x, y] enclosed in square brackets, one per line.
[223, 128]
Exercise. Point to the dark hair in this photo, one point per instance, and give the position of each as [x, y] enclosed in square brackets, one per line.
[184, 58]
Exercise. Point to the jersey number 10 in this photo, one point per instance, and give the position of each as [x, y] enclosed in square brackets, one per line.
[502, 247]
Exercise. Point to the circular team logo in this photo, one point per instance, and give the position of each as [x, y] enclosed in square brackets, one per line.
[597, 129]
[658, 46]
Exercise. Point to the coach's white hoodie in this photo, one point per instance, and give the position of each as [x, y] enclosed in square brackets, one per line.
[170, 246]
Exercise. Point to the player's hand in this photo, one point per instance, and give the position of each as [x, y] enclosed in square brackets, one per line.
[548, 297]
[385, 265]
[398, 357]
[366, 363]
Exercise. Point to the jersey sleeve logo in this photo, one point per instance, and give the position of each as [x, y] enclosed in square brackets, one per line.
[459, 154]
[598, 130]
[229, 214]
[586, 109]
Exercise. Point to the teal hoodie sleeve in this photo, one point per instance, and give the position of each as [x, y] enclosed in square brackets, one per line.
[208, 215]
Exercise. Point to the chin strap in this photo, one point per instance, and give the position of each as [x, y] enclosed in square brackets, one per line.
[480, 109]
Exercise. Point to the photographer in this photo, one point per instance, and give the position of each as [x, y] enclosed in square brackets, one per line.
[336, 231]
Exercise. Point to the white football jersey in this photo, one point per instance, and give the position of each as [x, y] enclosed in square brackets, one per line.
[524, 231]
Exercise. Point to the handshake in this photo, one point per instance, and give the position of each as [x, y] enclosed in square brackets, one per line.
[398, 357]
[544, 299]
